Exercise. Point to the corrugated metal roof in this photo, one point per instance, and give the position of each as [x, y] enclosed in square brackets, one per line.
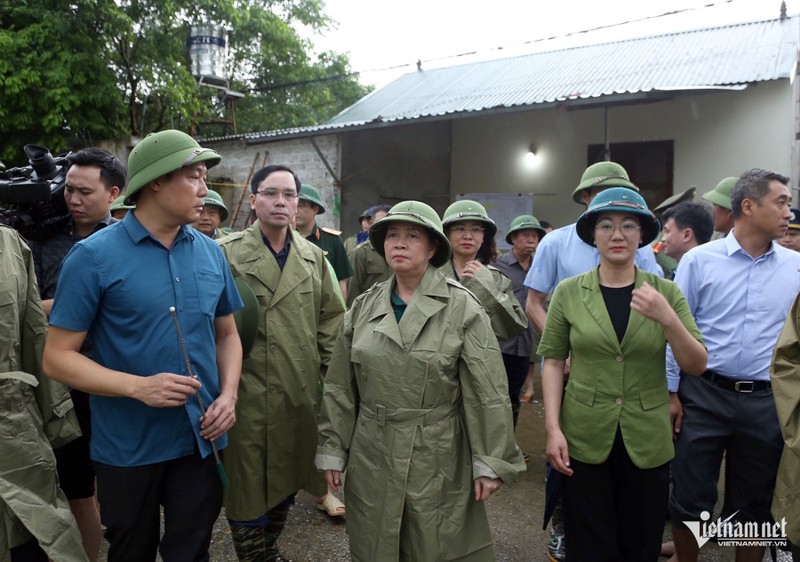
[719, 57]
[714, 57]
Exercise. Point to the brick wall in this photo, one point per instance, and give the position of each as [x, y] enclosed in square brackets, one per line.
[299, 154]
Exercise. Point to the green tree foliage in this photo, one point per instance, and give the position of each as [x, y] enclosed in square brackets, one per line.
[72, 73]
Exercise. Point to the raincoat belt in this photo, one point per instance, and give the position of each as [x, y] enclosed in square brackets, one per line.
[420, 417]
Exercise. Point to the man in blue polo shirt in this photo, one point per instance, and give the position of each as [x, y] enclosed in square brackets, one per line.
[150, 443]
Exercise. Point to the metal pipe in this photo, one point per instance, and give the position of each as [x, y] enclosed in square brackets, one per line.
[220, 469]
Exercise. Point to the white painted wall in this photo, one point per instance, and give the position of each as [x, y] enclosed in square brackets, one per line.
[715, 135]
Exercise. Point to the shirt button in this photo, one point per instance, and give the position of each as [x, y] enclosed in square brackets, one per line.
[618, 401]
[177, 279]
[619, 358]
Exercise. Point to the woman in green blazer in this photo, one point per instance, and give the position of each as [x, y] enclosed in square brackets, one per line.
[611, 436]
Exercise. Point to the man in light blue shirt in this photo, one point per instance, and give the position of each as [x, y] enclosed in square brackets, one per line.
[561, 254]
[739, 290]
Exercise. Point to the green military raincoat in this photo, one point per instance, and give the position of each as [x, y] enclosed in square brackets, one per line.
[496, 294]
[35, 414]
[369, 267]
[415, 412]
[270, 453]
[786, 389]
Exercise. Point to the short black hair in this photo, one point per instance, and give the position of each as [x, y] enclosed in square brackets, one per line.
[690, 214]
[264, 172]
[112, 170]
[753, 185]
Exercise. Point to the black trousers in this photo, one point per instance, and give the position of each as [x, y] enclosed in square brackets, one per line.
[188, 488]
[517, 371]
[615, 511]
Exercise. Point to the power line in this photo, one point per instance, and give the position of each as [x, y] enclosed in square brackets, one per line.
[420, 63]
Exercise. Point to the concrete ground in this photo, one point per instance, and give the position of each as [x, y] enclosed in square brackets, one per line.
[515, 515]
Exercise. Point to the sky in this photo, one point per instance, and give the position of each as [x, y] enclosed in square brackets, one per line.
[394, 35]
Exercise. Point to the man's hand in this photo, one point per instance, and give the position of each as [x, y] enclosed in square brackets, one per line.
[220, 417]
[165, 390]
[675, 414]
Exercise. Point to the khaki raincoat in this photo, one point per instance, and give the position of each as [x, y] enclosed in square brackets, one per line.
[496, 294]
[369, 267]
[415, 412]
[270, 453]
[786, 389]
[35, 414]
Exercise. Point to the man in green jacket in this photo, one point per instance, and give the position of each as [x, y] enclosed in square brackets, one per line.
[369, 267]
[309, 206]
[35, 414]
[271, 451]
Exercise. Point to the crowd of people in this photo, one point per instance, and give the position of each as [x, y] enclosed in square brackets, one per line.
[157, 367]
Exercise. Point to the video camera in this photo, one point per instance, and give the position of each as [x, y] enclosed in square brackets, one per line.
[33, 196]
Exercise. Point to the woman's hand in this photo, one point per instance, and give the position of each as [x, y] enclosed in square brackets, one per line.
[471, 269]
[334, 479]
[651, 304]
[558, 452]
[485, 487]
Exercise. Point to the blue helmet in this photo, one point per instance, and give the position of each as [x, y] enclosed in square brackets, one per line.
[620, 200]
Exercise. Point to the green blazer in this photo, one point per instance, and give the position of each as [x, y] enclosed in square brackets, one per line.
[613, 384]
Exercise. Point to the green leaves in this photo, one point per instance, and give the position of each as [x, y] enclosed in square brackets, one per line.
[73, 73]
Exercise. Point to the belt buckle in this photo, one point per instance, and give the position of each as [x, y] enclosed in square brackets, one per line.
[380, 415]
[738, 387]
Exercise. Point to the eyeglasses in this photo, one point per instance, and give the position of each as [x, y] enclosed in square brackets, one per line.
[461, 229]
[274, 194]
[628, 228]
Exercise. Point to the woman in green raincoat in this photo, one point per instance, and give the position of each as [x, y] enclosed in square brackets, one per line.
[413, 407]
[471, 234]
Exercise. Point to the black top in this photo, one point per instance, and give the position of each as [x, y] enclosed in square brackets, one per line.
[618, 304]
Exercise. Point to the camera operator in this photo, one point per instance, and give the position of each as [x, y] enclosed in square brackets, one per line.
[94, 179]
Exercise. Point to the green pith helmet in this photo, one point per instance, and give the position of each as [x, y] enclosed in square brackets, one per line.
[603, 174]
[119, 205]
[721, 194]
[620, 200]
[687, 195]
[467, 210]
[246, 318]
[215, 199]
[414, 212]
[310, 194]
[161, 153]
[525, 222]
